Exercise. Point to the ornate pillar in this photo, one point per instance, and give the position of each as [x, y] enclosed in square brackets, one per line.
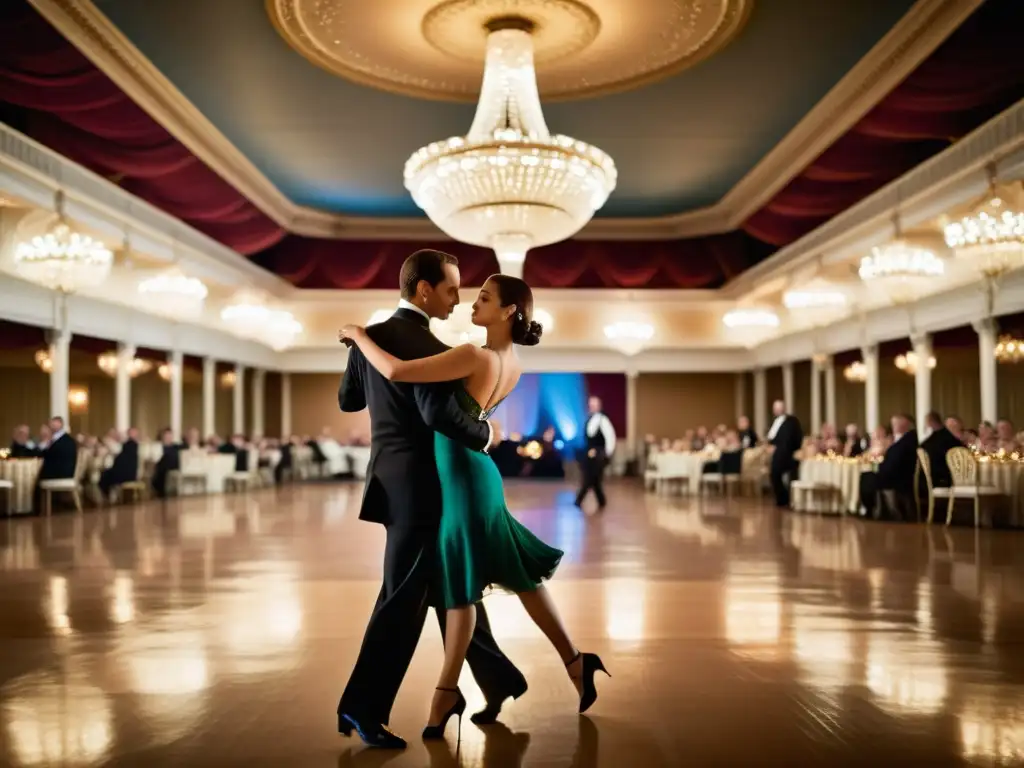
[631, 436]
[922, 380]
[740, 394]
[60, 352]
[286, 406]
[830, 392]
[816, 420]
[176, 362]
[760, 403]
[209, 396]
[256, 425]
[787, 386]
[870, 356]
[123, 387]
[238, 415]
[988, 333]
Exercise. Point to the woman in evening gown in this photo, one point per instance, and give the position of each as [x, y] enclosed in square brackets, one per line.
[480, 544]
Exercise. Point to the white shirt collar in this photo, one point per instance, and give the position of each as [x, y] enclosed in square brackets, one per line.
[58, 435]
[403, 304]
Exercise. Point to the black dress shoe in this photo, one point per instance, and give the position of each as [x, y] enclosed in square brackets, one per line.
[373, 734]
[489, 714]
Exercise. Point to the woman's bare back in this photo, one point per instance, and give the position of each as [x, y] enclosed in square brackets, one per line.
[494, 380]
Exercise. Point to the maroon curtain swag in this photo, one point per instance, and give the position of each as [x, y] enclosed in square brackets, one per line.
[58, 97]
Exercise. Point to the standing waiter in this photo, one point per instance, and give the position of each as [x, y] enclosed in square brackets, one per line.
[600, 446]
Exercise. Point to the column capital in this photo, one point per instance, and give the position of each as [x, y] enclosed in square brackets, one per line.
[176, 356]
[921, 340]
[987, 326]
[868, 350]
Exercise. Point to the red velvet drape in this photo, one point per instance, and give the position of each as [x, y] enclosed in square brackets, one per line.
[611, 388]
[50, 91]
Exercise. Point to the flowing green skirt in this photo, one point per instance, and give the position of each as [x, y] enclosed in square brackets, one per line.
[480, 545]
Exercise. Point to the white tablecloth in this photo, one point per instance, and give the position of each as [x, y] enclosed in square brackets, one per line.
[839, 473]
[23, 473]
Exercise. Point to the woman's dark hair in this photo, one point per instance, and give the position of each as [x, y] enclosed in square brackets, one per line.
[511, 290]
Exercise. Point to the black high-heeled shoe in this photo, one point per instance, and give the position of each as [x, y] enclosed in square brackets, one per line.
[591, 663]
[457, 709]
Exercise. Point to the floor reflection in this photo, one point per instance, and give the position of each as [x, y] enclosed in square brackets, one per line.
[215, 631]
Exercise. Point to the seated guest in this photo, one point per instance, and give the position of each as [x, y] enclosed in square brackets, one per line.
[894, 480]
[956, 428]
[853, 444]
[970, 438]
[192, 441]
[125, 468]
[22, 446]
[748, 437]
[880, 442]
[170, 460]
[937, 445]
[60, 457]
[987, 442]
[45, 436]
[829, 440]
[1006, 436]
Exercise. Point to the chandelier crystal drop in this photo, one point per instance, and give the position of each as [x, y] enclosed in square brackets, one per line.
[1009, 350]
[510, 184]
[750, 318]
[63, 259]
[109, 363]
[281, 329]
[992, 235]
[909, 362]
[856, 372]
[175, 294]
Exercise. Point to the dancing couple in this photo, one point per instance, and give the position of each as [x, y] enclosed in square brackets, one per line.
[430, 483]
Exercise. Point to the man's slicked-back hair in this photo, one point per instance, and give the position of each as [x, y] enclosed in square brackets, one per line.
[426, 264]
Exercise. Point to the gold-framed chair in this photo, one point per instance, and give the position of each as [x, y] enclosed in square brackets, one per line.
[924, 467]
[72, 485]
[966, 474]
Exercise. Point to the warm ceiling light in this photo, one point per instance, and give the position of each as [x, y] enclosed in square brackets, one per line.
[629, 331]
[281, 330]
[247, 315]
[228, 379]
[813, 299]
[78, 399]
[899, 266]
[909, 363]
[856, 372]
[175, 294]
[108, 362]
[992, 235]
[44, 361]
[545, 319]
[750, 318]
[510, 184]
[1009, 350]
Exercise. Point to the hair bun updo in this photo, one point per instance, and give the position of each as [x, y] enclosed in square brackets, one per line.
[512, 291]
[526, 332]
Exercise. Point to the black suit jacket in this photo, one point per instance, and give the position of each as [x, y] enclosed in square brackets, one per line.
[22, 451]
[748, 438]
[125, 468]
[937, 445]
[402, 485]
[896, 472]
[59, 458]
[787, 441]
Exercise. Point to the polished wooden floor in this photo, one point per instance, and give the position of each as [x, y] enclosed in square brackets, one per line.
[219, 631]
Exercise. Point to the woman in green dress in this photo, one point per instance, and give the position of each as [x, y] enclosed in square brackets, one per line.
[480, 544]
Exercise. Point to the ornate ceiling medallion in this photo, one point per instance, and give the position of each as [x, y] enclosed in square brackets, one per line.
[434, 49]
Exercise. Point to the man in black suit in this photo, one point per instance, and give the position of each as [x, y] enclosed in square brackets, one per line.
[125, 468]
[170, 460]
[893, 483]
[786, 436]
[937, 445]
[403, 493]
[60, 456]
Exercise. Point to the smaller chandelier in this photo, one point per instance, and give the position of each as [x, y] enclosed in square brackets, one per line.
[63, 259]
[44, 361]
[281, 329]
[909, 363]
[629, 331]
[856, 372]
[164, 371]
[899, 266]
[992, 235]
[813, 299]
[750, 318]
[1009, 350]
[248, 316]
[228, 379]
[109, 364]
[175, 294]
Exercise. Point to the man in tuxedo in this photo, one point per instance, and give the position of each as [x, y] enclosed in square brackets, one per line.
[937, 444]
[403, 493]
[125, 468]
[786, 437]
[600, 437]
[60, 457]
[893, 483]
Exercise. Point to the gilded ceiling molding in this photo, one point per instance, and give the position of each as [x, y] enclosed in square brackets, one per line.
[913, 39]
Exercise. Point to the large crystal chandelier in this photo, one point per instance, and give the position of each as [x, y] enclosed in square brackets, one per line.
[900, 267]
[175, 294]
[510, 184]
[248, 315]
[992, 234]
[63, 259]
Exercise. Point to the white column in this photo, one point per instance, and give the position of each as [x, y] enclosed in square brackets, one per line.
[816, 420]
[176, 361]
[209, 397]
[922, 380]
[740, 394]
[238, 415]
[871, 416]
[760, 403]
[830, 392]
[123, 387]
[787, 386]
[988, 332]
[256, 425]
[286, 406]
[60, 351]
[631, 437]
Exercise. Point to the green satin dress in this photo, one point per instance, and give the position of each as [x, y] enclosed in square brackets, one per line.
[481, 547]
